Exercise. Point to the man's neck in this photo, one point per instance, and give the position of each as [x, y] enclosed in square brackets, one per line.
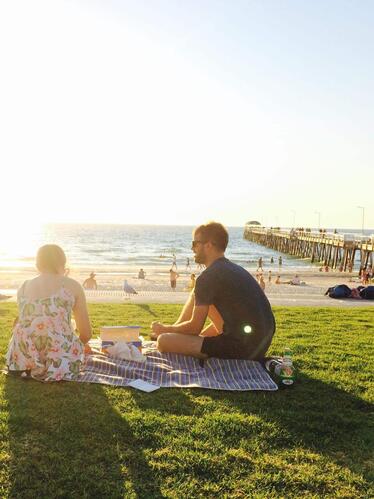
[213, 258]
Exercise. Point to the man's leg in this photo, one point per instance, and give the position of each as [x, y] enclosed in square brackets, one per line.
[189, 344]
[181, 343]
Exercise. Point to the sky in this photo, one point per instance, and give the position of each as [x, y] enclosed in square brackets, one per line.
[180, 112]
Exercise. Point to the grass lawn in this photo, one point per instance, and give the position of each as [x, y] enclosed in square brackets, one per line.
[314, 440]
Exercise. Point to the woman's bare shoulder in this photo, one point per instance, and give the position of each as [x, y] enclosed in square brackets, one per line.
[72, 284]
[29, 284]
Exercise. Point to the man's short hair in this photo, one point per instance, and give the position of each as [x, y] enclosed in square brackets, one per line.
[215, 233]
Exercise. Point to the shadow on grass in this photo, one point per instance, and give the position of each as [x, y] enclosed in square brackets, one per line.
[66, 440]
[315, 415]
[146, 308]
[166, 401]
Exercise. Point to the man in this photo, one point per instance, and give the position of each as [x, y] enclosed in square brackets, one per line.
[90, 283]
[173, 279]
[242, 323]
[174, 264]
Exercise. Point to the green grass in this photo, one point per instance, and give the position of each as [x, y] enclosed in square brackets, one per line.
[315, 440]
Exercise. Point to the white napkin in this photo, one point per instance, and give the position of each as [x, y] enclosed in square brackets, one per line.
[144, 386]
[125, 351]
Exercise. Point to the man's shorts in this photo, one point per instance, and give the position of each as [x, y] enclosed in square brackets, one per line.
[173, 284]
[229, 347]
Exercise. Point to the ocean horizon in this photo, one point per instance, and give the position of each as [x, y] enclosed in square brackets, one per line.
[126, 248]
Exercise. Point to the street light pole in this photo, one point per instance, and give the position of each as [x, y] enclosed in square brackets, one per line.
[294, 218]
[319, 218]
[363, 217]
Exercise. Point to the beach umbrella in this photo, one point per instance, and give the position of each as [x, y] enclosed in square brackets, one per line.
[129, 290]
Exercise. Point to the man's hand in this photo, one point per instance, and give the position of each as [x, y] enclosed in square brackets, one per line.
[157, 329]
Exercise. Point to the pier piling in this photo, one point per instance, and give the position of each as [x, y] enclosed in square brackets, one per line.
[334, 250]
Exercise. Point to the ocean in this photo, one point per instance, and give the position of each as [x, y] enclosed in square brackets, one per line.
[127, 248]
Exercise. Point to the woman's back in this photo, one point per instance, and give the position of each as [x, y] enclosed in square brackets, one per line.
[43, 340]
[45, 286]
[49, 297]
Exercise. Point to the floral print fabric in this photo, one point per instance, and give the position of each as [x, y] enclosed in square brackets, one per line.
[43, 339]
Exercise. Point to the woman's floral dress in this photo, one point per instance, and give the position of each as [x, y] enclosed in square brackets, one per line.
[43, 339]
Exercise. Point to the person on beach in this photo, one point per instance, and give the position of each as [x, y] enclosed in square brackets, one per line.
[141, 274]
[295, 281]
[188, 265]
[173, 279]
[192, 284]
[259, 267]
[90, 282]
[269, 277]
[242, 323]
[174, 264]
[278, 280]
[43, 342]
[365, 277]
[262, 283]
[280, 261]
[370, 273]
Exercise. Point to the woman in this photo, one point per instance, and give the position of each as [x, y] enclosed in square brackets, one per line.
[192, 283]
[43, 340]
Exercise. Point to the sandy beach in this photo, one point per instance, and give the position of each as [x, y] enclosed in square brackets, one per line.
[155, 288]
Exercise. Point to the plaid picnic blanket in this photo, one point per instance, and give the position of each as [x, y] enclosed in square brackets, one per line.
[178, 371]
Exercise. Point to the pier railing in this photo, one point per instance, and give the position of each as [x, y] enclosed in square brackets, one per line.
[331, 249]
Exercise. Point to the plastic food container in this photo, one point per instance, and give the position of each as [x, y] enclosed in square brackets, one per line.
[118, 333]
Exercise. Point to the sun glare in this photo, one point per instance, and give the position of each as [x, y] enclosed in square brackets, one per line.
[20, 242]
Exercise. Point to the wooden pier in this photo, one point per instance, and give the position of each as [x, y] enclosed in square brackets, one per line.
[338, 251]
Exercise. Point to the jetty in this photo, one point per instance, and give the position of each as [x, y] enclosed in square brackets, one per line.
[337, 251]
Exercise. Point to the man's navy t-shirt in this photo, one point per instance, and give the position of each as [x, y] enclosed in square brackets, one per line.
[238, 298]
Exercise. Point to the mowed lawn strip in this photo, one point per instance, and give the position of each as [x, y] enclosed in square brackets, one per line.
[314, 440]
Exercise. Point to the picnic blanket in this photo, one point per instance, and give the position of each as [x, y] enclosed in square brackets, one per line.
[178, 371]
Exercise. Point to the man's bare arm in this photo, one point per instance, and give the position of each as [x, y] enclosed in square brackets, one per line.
[193, 326]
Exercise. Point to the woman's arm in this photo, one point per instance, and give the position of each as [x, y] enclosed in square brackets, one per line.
[81, 315]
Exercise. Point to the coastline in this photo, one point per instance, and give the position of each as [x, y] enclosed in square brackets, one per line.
[155, 288]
